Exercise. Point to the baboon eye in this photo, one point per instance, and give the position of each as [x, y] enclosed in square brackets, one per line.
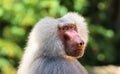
[72, 26]
[65, 28]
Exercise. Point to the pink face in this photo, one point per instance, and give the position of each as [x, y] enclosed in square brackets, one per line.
[73, 44]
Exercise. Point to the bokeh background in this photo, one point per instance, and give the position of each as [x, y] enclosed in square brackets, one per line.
[17, 17]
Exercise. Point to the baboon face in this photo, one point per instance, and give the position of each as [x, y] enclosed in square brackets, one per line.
[73, 44]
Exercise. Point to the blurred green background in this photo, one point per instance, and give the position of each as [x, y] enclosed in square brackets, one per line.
[17, 17]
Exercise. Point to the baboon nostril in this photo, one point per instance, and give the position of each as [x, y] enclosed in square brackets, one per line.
[82, 43]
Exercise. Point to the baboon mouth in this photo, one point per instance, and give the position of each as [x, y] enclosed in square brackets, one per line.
[77, 52]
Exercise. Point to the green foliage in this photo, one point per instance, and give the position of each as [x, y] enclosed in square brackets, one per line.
[17, 17]
[100, 41]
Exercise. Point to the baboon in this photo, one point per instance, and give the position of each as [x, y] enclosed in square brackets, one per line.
[54, 45]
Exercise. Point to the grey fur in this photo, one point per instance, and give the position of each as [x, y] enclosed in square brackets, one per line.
[57, 65]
